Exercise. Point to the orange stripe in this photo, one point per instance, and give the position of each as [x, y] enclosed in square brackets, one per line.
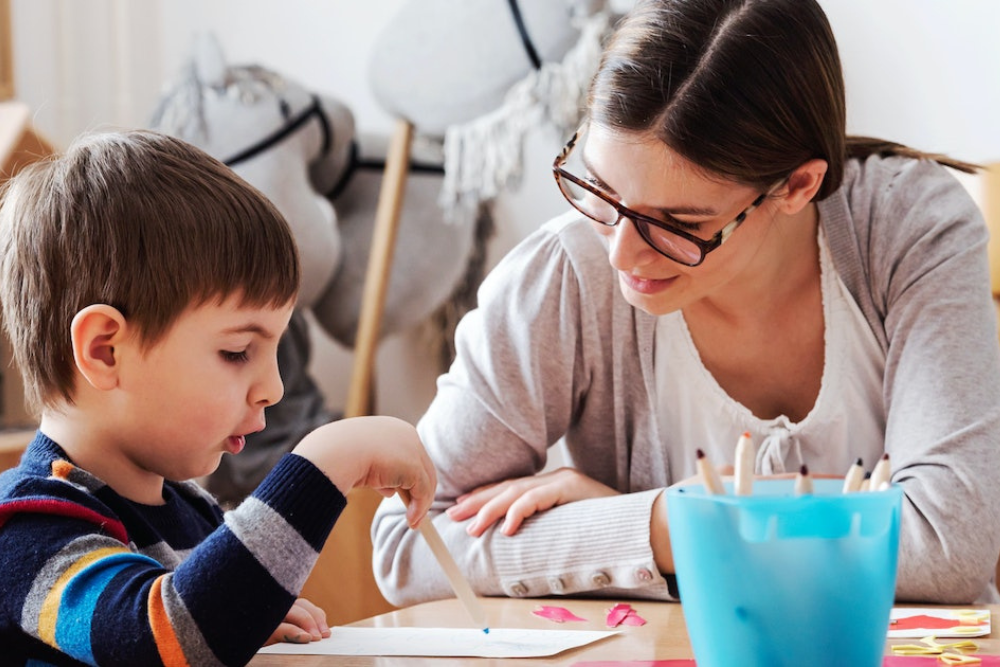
[61, 469]
[169, 648]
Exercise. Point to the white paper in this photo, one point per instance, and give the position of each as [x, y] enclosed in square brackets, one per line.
[442, 642]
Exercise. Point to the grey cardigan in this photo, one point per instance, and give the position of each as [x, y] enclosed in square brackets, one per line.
[554, 351]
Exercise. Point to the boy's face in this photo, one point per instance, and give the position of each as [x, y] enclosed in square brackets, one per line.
[200, 390]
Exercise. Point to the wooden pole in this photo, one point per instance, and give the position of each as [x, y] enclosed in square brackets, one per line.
[390, 202]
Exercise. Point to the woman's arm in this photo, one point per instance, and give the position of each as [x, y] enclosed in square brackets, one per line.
[942, 384]
[532, 362]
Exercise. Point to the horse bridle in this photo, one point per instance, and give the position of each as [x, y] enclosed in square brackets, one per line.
[314, 109]
[289, 128]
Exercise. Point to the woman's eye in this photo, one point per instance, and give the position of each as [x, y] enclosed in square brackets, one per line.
[686, 226]
[234, 357]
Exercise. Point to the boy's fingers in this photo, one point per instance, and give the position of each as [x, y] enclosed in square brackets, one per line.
[317, 614]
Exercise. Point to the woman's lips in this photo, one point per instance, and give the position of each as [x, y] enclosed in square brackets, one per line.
[645, 285]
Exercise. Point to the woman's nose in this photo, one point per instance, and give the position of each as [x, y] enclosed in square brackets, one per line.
[626, 248]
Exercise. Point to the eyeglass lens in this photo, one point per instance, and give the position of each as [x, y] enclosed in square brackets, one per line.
[596, 208]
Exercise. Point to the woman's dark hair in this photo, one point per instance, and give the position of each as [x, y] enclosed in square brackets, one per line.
[747, 89]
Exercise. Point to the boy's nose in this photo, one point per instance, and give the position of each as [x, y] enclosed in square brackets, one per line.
[269, 389]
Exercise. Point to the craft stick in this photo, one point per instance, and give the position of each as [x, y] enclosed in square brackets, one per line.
[880, 473]
[746, 460]
[855, 475]
[803, 481]
[709, 475]
[459, 584]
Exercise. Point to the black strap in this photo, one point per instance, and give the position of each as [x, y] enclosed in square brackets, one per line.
[525, 38]
[280, 134]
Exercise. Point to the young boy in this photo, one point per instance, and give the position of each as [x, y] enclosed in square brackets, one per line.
[144, 288]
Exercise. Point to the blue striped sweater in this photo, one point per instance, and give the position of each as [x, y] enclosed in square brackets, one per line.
[88, 577]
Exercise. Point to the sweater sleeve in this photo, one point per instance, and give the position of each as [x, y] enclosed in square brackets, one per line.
[531, 361]
[82, 591]
[942, 384]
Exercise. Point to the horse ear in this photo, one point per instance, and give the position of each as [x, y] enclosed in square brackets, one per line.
[209, 61]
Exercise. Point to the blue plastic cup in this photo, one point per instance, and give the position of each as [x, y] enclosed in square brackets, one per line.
[777, 579]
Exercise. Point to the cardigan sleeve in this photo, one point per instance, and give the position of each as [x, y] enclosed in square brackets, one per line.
[531, 360]
[929, 273]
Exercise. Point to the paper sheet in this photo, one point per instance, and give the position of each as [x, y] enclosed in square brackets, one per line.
[918, 622]
[444, 642]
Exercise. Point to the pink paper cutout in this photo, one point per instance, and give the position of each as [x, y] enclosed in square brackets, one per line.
[634, 619]
[617, 614]
[925, 622]
[557, 614]
[623, 613]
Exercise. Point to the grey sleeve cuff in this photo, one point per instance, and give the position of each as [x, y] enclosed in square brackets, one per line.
[599, 547]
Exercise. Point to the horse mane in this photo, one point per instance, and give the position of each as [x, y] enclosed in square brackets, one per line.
[181, 109]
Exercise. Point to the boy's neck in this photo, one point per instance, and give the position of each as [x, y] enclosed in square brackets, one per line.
[92, 449]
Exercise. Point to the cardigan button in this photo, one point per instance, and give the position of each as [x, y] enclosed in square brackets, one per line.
[518, 589]
[600, 579]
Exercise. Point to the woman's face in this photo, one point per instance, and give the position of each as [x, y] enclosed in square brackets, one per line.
[645, 175]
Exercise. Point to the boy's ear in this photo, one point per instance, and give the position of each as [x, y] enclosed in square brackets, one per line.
[95, 331]
[802, 186]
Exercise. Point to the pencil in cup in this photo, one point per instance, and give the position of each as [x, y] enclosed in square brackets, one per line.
[854, 477]
[746, 460]
[709, 475]
[880, 474]
[459, 584]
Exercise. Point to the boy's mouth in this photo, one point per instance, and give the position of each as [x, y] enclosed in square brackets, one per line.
[235, 444]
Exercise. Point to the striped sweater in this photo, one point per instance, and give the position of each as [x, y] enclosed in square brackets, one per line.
[88, 577]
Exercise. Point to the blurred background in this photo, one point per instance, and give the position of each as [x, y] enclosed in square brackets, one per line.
[922, 72]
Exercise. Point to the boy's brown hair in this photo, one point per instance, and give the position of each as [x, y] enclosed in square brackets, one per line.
[137, 220]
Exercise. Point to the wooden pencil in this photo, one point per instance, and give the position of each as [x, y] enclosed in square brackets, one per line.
[803, 481]
[855, 475]
[880, 473]
[459, 584]
[709, 475]
[746, 461]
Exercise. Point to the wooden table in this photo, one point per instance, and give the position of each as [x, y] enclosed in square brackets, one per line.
[663, 637]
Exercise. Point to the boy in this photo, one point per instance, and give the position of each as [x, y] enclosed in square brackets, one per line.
[145, 288]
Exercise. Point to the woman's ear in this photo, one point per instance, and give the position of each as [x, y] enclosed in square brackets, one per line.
[802, 185]
[94, 332]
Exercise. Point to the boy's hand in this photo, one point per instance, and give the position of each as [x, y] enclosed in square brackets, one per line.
[304, 623]
[383, 453]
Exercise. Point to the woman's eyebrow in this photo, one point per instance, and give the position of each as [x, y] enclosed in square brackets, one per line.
[683, 209]
[593, 174]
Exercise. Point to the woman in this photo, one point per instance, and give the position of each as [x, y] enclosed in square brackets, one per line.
[733, 262]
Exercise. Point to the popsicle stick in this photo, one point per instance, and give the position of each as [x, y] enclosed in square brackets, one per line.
[459, 584]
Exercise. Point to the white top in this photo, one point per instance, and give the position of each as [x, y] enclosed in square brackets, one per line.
[849, 408]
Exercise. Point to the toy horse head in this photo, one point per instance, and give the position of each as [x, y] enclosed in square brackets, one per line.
[293, 145]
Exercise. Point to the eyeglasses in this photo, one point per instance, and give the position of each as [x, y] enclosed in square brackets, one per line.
[670, 241]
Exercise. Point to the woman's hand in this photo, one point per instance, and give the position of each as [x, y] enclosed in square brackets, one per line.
[304, 623]
[515, 500]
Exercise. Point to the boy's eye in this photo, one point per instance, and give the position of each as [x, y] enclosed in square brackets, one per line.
[234, 357]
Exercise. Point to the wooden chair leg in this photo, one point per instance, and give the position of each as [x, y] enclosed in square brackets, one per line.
[342, 582]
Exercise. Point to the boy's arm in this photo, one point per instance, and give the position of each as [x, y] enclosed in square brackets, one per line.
[71, 585]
